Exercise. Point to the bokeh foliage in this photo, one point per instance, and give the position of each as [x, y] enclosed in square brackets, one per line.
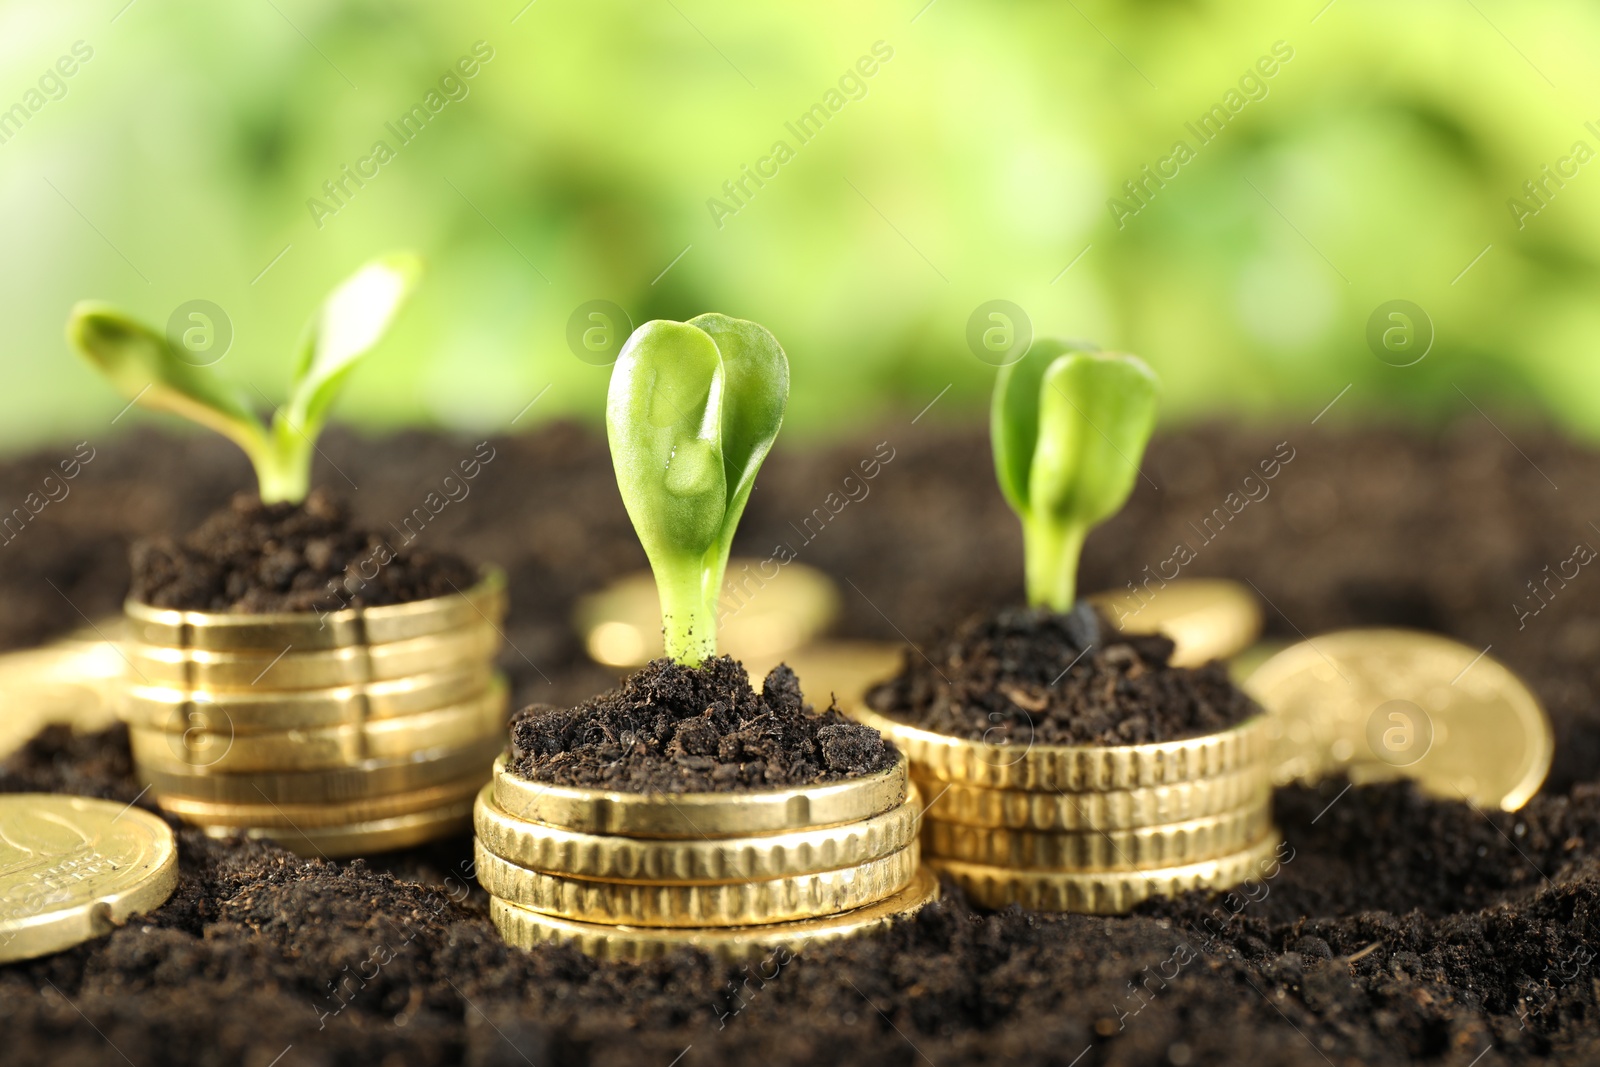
[977, 163]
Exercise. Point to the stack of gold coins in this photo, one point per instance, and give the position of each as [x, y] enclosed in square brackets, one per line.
[1092, 829]
[334, 734]
[738, 874]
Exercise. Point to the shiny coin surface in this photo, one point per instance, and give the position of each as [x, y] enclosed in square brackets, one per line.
[834, 670]
[287, 668]
[365, 780]
[1069, 768]
[72, 682]
[1206, 618]
[263, 710]
[310, 630]
[697, 860]
[72, 868]
[526, 929]
[766, 609]
[700, 815]
[313, 816]
[1384, 704]
[805, 896]
[328, 747]
[1099, 850]
[1123, 809]
[1111, 892]
[361, 839]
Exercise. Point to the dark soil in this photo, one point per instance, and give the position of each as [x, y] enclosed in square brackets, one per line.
[255, 558]
[675, 729]
[1021, 676]
[1402, 930]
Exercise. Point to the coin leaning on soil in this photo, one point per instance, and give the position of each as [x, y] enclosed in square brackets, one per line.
[1384, 704]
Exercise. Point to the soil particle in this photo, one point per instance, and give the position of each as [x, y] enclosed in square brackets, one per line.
[255, 558]
[1031, 676]
[677, 729]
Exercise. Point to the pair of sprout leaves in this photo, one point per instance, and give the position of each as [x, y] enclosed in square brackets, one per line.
[692, 411]
[145, 367]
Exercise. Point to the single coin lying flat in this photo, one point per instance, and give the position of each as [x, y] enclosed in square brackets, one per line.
[1384, 704]
[74, 868]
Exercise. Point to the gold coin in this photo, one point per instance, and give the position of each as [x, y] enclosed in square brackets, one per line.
[1105, 893]
[701, 860]
[1125, 809]
[804, 896]
[834, 670]
[1242, 666]
[329, 747]
[1385, 704]
[766, 609]
[220, 631]
[197, 669]
[360, 839]
[260, 711]
[310, 816]
[1103, 850]
[1072, 768]
[527, 929]
[700, 815]
[72, 682]
[1206, 618]
[72, 868]
[366, 780]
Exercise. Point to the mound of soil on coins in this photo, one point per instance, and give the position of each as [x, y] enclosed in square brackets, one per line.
[256, 558]
[676, 729]
[1032, 676]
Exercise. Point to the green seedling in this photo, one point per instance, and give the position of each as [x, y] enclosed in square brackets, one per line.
[144, 367]
[692, 411]
[1068, 427]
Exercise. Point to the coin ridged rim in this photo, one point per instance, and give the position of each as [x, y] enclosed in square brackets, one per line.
[770, 900]
[266, 711]
[328, 748]
[1118, 809]
[81, 911]
[705, 861]
[1147, 848]
[369, 778]
[525, 929]
[310, 816]
[220, 631]
[698, 815]
[285, 668]
[359, 839]
[1073, 768]
[1105, 893]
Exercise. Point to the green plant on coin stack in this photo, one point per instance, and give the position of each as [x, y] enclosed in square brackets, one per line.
[335, 733]
[1089, 828]
[692, 411]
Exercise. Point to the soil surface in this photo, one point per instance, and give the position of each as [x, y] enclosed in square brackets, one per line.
[1021, 676]
[676, 729]
[255, 558]
[1400, 929]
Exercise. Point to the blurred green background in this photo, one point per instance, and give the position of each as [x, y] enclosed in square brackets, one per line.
[183, 157]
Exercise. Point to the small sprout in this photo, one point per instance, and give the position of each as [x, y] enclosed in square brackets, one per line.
[143, 366]
[1068, 428]
[692, 411]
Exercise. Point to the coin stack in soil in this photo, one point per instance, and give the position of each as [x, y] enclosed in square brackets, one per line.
[1092, 828]
[739, 874]
[334, 734]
